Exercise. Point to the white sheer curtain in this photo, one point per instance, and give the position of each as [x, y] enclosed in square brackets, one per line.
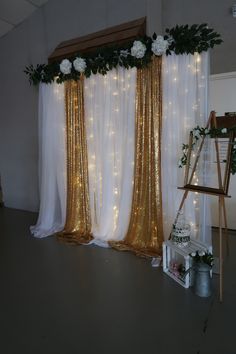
[185, 105]
[52, 160]
[110, 126]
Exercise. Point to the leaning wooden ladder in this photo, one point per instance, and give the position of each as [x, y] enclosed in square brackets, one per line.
[221, 192]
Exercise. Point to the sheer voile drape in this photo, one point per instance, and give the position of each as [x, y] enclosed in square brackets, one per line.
[185, 105]
[101, 197]
[78, 220]
[145, 234]
[110, 126]
[52, 160]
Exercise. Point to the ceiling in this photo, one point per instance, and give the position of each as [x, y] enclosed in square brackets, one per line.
[13, 12]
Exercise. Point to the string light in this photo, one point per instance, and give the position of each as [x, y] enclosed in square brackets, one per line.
[198, 59]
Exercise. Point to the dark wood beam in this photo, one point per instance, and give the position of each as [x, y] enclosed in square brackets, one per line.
[114, 35]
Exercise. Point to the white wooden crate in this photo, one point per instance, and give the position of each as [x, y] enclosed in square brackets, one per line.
[171, 253]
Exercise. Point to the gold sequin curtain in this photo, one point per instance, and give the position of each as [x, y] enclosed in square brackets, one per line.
[78, 221]
[145, 232]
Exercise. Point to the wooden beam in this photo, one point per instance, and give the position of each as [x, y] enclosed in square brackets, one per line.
[205, 190]
[114, 35]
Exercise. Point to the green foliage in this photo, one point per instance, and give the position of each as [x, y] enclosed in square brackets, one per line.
[182, 40]
[213, 133]
[190, 39]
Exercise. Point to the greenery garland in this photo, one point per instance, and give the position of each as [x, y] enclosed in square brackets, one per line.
[198, 132]
[179, 40]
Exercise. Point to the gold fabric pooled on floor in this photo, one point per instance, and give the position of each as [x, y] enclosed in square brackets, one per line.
[78, 221]
[145, 233]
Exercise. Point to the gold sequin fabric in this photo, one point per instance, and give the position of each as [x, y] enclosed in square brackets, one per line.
[78, 221]
[145, 232]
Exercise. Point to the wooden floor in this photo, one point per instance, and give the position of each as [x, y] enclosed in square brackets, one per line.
[60, 299]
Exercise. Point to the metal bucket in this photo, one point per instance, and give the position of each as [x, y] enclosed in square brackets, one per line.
[202, 280]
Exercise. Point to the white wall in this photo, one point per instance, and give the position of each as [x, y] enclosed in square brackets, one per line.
[222, 98]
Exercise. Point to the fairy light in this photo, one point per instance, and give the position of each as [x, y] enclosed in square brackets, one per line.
[198, 60]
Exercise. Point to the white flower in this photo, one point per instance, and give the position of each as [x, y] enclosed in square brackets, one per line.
[196, 133]
[180, 163]
[206, 131]
[65, 66]
[138, 50]
[80, 65]
[201, 253]
[124, 53]
[193, 254]
[159, 45]
[224, 131]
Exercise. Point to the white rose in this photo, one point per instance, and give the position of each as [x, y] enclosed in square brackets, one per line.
[138, 50]
[159, 45]
[193, 254]
[65, 66]
[201, 253]
[80, 65]
[224, 131]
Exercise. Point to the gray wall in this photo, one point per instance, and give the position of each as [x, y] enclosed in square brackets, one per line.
[32, 42]
[217, 13]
